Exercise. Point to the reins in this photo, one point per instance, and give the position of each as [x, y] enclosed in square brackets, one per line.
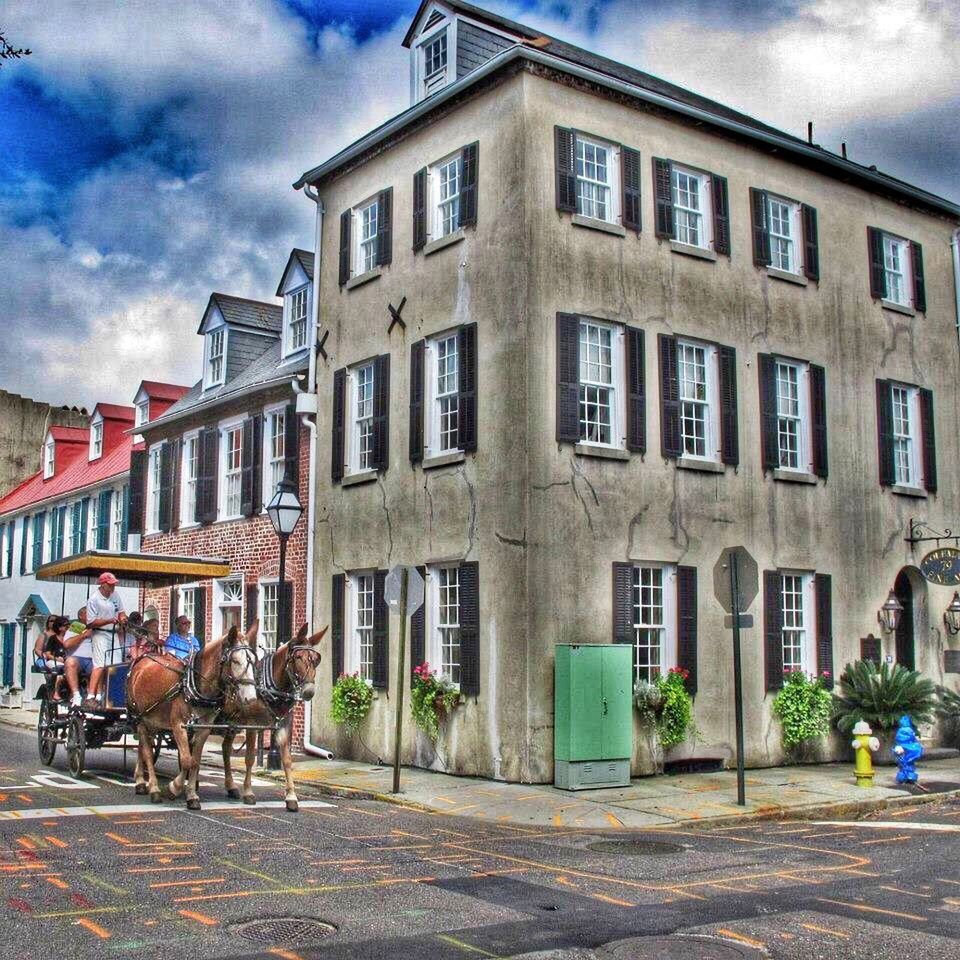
[278, 699]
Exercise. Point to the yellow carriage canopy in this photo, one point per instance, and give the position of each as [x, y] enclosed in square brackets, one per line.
[132, 569]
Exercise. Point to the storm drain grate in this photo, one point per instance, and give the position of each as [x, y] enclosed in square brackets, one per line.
[288, 930]
[678, 948]
[636, 848]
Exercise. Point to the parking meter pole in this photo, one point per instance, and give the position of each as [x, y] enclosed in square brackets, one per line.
[401, 679]
[737, 678]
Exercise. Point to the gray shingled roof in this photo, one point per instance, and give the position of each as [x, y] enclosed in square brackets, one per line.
[304, 258]
[249, 313]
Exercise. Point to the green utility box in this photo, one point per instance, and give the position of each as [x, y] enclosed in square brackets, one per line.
[593, 716]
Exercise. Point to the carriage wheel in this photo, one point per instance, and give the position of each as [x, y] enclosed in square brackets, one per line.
[46, 734]
[76, 744]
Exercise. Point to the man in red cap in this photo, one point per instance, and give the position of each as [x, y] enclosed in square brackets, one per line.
[104, 614]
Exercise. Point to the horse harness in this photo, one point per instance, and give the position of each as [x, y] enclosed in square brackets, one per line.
[280, 700]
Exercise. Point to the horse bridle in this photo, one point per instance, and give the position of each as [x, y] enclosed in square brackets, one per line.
[191, 689]
[269, 690]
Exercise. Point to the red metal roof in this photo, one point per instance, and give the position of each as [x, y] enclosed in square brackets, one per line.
[113, 411]
[162, 391]
[70, 434]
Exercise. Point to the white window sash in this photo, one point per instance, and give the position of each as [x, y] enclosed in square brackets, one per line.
[433, 439]
[798, 629]
[616, 401]
[273, 450]
[685, 215]
[359, 655]
[801, 419]
[710, 406]
[667, 650]
[433, 628]
[593, 191]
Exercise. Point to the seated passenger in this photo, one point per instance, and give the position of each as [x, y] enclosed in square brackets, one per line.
[79, 650]
[54, 654]
[182, 643]
[39, 660]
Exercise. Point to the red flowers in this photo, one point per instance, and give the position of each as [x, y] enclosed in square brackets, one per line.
[682, 671]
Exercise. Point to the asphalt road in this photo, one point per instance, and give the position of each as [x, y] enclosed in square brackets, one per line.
[129, 878]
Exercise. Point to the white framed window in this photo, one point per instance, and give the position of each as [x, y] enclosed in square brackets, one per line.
[299, 307]
[142, 416]
[49, 455]
[228, 605]
[433, 56]
[96, 439]
[189, 471]
[215, 366]
[443, 642]
[693, 223]
[273, 450]
[94, 517]
[446, 180]
[906, 435]
[116, 532]
[785, 229]
[188, 607]
[359, 653]
[443, 392]
[153, 489]
[897, 270]
[360, 437]
[601, 384]
[366, 227]
[654, 620]
[793, 415]
[269, 612]
[596, 167]
[231, 460]
[30, 533]
[699, 400]
[796, 608]
[49, 528]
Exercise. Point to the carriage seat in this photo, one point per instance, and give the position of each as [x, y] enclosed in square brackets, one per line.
[48, 671]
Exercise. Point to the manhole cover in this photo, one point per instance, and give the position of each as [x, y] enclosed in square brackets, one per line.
[678, 948]
[927, 786]
[276, 930]
[636, 848]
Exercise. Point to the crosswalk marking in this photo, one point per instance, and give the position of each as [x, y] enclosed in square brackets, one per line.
[111, 809]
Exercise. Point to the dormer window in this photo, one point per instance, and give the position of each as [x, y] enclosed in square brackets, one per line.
[142, 416]
[216, 340]
[435, 63]
[297, 336]
[48, 459]
[96, 439]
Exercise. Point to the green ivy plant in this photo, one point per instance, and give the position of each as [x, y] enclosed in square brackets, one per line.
[351, 700]
[666, 704]
[432, 697]
[803, 708]
[881, 696]
[949, 706]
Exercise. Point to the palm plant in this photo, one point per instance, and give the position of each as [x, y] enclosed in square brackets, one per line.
[881, 696]
[949, 706]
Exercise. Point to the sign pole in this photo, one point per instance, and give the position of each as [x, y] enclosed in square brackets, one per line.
[401, 677]
[737, 677]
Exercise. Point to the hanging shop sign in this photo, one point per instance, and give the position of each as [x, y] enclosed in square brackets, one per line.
[942, 566]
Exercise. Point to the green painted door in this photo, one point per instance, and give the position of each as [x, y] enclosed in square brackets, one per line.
[616, 729]
[586, 714]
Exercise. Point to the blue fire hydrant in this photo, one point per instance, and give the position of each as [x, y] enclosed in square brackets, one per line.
[907, 750]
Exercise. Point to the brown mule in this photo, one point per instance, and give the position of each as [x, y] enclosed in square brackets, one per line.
[155, 697]
[283, 677]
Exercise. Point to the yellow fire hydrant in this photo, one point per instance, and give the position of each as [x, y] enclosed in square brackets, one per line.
[863, 743]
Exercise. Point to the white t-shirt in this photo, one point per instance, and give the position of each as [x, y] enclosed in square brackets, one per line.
[100, 607]
[85, 649]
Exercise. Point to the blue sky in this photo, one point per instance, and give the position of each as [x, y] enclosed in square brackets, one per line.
[149, 146]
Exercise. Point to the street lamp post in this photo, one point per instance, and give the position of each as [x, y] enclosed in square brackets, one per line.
[284, 511]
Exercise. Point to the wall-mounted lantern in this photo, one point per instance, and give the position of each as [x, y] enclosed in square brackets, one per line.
[951, 617]
[889, 614]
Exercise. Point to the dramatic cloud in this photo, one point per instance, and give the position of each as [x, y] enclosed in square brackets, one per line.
[149, 146]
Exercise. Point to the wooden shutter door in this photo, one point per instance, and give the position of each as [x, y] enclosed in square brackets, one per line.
[811, 245]
[344, 272]
[336, 624]
[885, 432]
[336, 425]
[729, 434]
[24, 523]
[630, 184]
[669, 397]
[878, 275]
[467, 387]
[928, 440]
[470, 628]
[468, 189]
[247, 468]
[166, 487]
[772, 630]
[381, 633]
[687, 624]
[385, 226]
[663, 198]
[823, 589]
[419, 209]
[84, 519]
[565, 163]
[761, 227]
[818, 418]
[39, 527]
[568, 378]
[103, 520]
[417, 355]
[636, 392]
[623, 603]
[769, 438]
[381, 412]
[252, 599]
[138, 489]
[207, 477]
[721, 214]
[291, 446]
[919, 287]
[418, 644]
[200, 614]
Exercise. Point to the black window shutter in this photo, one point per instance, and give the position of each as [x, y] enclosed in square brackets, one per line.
[729, 435]
[468, 189]
[630, 177]
[928, 440]
[285, 618]
[381, 633]
[291, 446]
[418, 642]
[565, 161]
[669, 397]
[811, 245]
[103, 520]
[636, 392]
[385, 226]
[252, 596]
[381, 412]
[687, 624]
[470, 628]
[919, 289]
[176, 459]
[885, 432]
[416, 400]
[166, 487]
[247, 504]
[769, 437]
[336, 624]
[209, 452]
[138, 485]
[345, 219]
[174, 597]
[337, 426]
[24, 524]
[200, 614]
[125, 517]
[761, 227]
[818, 418]
[467, 387]
[663, 196]
[622, 602]
[568, 378]
[772, 630]
[823, 589]
[419, 209]
[39, 527]
[878, 276]
[84, 518]
[721, 214]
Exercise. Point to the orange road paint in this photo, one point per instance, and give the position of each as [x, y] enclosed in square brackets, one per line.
[749, 941]
[57, 843]
[118, 838]
[832, 933]
[25, 798]
[94, 928]
[613, 900]
[199, 917]
[866, 909]
[908, 893]
[285, 954]
[368, 813]
[866, 843]
[185, 883]
[613, 820]
[57, 882]
[180, 869]
[27, 844]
